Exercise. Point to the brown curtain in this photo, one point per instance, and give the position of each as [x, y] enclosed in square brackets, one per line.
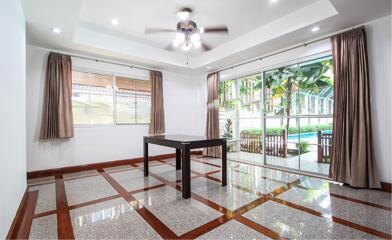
[353, 159]
[57, 119]
[212, 127]
[157, 124]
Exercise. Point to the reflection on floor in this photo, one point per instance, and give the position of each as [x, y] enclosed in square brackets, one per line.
[258, 203]
[307, 161]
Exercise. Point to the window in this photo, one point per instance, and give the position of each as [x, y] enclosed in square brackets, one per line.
[104, 99]
[281, 117]
[133, 101]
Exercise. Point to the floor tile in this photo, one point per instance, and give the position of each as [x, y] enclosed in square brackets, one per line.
[46, 197]
[372, 196]
[229, 197]
[202, 168]
[87, 173]
[43, 180]
[376, 218]
[180, 215]
[216, 161]
[44, 228]
[253, 182]
[118, 168]
[293, 223]
[134, 180]
[168, 172]
[233, 230]
[114, 219]
[87, 189]
[278, 176]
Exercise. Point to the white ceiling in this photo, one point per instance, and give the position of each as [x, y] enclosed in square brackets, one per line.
[135, 16]
[256, 27]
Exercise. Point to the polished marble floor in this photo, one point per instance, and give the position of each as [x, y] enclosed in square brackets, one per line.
[306, 162]
[257, 203]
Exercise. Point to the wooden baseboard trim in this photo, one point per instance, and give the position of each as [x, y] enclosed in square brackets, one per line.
[16, 223]
[93, 166]
[386, 187]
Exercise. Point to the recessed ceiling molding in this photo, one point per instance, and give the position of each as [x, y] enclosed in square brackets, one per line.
[304, 17]
[91, 38]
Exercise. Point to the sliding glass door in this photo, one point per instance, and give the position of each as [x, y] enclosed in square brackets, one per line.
[240, 114]
[281, 117]
[298, 116]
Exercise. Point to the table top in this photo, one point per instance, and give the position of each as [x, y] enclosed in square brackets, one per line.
[180, 137]
[178, 140]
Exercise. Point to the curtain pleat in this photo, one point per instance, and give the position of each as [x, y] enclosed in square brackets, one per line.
[157, 123]
[212, 126]
[353, 160]
[57, 119]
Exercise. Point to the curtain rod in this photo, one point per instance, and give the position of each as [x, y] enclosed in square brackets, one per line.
[103, 61]
[287, 49]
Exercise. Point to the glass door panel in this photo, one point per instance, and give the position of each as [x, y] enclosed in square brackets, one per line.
[316, 144]
[299, 99]
[281, 147]
[250, 91]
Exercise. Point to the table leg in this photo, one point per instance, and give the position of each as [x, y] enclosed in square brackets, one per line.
[186, 171]
[224, 163]
[145, 160]
[178, 158]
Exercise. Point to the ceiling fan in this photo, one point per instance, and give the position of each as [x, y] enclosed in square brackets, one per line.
[188, 34]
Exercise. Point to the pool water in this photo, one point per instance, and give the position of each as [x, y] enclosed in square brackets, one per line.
[305, 136]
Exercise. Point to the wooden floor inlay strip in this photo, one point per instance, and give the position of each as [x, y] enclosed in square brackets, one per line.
[353, 200]
[25, 226]
[361, 202]
[64, 225]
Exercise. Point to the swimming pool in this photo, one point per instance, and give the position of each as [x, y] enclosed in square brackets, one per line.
[306, 135]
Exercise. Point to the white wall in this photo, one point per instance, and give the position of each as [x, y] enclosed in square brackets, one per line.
[13, 111]
[379, 49]
[183, 110]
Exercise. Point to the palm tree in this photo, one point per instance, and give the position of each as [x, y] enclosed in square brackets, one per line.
[283, 81]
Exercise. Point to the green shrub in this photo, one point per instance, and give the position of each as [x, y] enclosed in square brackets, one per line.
[292, 130]
[303, 147]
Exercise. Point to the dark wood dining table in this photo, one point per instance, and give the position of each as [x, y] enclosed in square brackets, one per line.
[183, 145]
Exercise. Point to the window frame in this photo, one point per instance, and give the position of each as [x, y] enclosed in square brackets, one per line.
[262, 71]
[113, 75]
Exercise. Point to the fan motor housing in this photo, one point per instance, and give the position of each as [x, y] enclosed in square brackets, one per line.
[187, 27]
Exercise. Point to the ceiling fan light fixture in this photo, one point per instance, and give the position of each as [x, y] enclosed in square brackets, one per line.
[197, 44]
[186, 47]
[195, 38]
[175, 43]
[180, 37]
[201, 30]
[184, 14]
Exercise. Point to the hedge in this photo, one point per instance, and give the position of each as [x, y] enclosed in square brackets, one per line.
[292, 130]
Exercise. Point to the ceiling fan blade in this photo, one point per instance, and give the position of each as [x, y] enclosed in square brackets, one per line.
[217, 29]
[158, 30]
[206, 47]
